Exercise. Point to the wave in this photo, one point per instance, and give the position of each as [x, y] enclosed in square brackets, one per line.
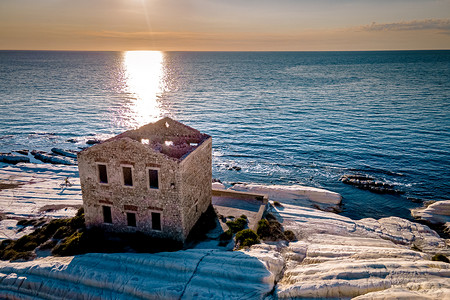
[376, 171]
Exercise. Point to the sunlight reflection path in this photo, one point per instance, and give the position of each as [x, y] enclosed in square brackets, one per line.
[144, 83]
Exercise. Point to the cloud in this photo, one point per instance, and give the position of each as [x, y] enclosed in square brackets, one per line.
[427, 24]
[421, 34]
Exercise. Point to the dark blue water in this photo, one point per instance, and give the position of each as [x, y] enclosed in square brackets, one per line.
[283, 117]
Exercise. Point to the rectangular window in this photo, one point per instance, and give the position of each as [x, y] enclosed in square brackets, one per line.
[107, 214]
[131, 219]
[127, 176]
[156, 221]
[153, 178]
[102, 173]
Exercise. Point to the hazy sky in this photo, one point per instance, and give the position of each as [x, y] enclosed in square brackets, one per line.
[224, 24]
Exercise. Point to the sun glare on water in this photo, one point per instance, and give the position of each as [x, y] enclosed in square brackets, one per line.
[144, 74]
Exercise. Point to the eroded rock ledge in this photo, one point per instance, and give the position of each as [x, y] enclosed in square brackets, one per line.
[339, 257]
[435, 213]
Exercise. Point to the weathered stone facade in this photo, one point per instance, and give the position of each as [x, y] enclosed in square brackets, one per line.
[155, 179]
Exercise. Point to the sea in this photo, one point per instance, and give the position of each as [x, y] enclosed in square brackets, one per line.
[283, 118]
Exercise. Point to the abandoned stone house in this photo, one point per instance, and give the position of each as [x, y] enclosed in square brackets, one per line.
[155, 179]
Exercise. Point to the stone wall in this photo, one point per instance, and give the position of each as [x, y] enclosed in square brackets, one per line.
[196, 172]
[139, 198]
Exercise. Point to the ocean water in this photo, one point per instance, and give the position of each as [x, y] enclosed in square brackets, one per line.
[283, 117]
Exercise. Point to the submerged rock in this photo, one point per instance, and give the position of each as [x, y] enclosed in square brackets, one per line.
[93, 142]
[68, 153]
[414, 200]
[368, 183]
[23, 152]
[13, 159]
[231, 168]
[42, 156]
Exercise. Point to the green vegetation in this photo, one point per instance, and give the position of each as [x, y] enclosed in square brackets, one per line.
[277, 204]
[237, 225]
[11, 254]
[290, 236]
[246, 238]
[268, 229]
[70, 245]
[31, 222]
[24, 247]
[271, 230]
[263, 228]
[70, 236]
[440, 257]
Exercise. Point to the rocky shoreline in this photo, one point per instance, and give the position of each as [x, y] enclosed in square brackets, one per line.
[332, 256]
[436, 213]
[57, 156]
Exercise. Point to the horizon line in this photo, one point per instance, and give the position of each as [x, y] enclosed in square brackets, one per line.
[85, 50]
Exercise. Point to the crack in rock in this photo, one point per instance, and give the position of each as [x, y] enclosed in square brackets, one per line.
[193, 274]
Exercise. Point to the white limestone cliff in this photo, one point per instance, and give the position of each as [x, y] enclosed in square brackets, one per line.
[191, 274]
[435, 213]
[339, 257]
[295, 194]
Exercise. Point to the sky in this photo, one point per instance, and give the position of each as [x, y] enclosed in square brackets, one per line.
[224, 25]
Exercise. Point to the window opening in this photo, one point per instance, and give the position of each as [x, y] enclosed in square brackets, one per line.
[102, 173]
[156, 221]
[153, 178]
[127, 176]
[107, 214]
[131, 219]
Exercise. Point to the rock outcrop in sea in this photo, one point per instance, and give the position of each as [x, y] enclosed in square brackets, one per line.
[42, 156]
[13, 159]
[369, 183]
[68, 153]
